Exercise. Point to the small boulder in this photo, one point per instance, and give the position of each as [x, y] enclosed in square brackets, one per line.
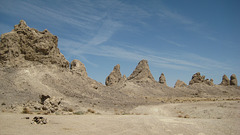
[180, 83]
[225, 81]
[114, 77]
[233, 80]
[79, 68]
[162, 79]
[39, 120]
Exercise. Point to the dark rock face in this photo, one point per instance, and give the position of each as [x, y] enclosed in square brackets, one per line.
[233, 80]
[180, 83]
[162, 79]
[142, 72]
[27, 46]
[79, 68]
[114, 77]
[197, 78]
[225, 81]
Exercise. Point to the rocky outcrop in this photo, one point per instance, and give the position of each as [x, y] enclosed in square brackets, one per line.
[197, 78]
[233, 80]
[79, 68]
[142, 72]
[25, 46]
[114, 77]
[162, 79]
[39, 120]
[180, 83]
[225, 81]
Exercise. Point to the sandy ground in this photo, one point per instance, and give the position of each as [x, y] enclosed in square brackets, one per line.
[153, 123]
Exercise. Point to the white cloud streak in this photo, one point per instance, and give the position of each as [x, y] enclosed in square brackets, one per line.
[186, 61]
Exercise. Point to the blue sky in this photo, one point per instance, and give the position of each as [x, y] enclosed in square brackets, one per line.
[177, 37]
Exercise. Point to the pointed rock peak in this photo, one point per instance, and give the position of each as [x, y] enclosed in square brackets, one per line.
[22, 25]
[78, 67]
[114, 77]
[162, 79]
[180, 83]
[233, 80]
[116, 68]
[142, 72]
[225, 81]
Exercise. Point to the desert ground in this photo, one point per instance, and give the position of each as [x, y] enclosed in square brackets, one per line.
[201, 118]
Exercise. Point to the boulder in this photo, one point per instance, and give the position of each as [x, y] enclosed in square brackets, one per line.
[25, 46]
[114, 77]
[39, 120]
[180, 83]
[141, 72]
[79, 68]
[233, 80]
[162, 79]
[209, 82]
[197, 78]
[225, 81]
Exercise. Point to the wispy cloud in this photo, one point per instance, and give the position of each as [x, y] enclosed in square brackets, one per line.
[184, 61]
[172, 42]
[164, 12]
[187, 23]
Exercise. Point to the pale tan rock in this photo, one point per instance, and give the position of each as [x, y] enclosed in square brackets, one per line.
[79, 68]
[162, 79]
[233, 80]
[142, 72]
[225, 81]
[114, 77]
[180, 83]
[27, 46]
[197, 78]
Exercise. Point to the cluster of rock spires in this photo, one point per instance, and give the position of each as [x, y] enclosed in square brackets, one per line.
[141, 73]
[227, 82]
[24, 46]
[197, 78]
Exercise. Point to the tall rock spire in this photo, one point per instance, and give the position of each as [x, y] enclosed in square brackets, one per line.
[142, 72]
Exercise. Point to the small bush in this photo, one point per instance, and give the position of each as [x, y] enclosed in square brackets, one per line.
[26, 111]
[91, 111]
[70, 109]
[79, 113]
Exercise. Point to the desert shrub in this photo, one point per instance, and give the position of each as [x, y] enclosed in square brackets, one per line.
[70, 109]
[26, 111]
[91, 111]
[79, 113]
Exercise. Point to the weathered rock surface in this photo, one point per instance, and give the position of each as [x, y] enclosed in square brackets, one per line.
[180, 83]
[162, 79]
[142, 72]
[114, 77]
[225, 81]
[25, 46]
[197, 78]
[79, 68]
[233, 80]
